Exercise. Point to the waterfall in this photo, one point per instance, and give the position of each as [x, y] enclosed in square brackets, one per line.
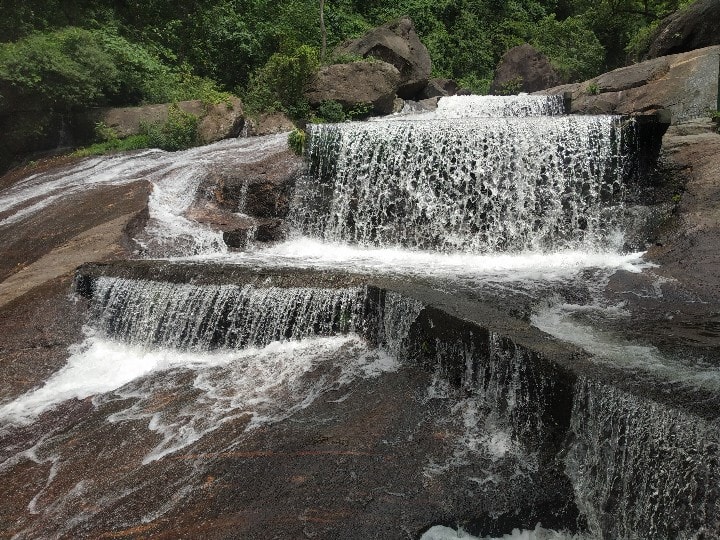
[496, 106]
[206, 317]
[479, 185]
[641, 469]
[487, 196]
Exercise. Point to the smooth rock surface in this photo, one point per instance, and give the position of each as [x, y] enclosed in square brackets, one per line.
[439, 88]
[685, 84]
[217, 121]
[356, 83]
[268, 124]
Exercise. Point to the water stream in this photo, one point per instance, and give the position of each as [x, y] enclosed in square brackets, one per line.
[507, 196]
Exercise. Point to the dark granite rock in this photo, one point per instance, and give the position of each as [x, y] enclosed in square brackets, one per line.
[439, 88]
[357, 83]
[692, 27]
[398, 44]
[523, 69]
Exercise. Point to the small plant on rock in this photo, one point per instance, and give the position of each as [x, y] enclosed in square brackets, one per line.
[331, 111]
[296, 141]
[593, 89]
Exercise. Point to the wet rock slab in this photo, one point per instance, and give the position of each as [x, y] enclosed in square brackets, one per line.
[380, 458]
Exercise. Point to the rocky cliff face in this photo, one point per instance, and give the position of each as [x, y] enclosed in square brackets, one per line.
[684, 84]
[693, 27]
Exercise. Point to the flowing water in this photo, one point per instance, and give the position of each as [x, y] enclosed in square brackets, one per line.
[505, 195]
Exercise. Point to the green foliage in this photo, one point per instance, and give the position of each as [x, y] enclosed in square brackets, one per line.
[640, 42]
[57, 70]
[572, 48]
[279, 84]
[715, 117]
[63, 55]
[359, 111]
[105, 133]
[177, 133]
[134, 142]
[511, 87]
[74, 67]
[331, 111]
[296, 141]
[593, 89]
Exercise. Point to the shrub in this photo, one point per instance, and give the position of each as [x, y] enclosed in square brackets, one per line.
[279, 84]
[715, 117]
[177, 133]
[74, 67]
[359, 111]
[572, 48]
[57, 70]
[511, 87]
[134, 142]
[296, 141]
[331, 111]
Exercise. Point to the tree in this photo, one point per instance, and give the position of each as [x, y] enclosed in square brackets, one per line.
[323, 31]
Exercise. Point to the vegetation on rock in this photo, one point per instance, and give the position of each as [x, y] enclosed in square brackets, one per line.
[61, 56]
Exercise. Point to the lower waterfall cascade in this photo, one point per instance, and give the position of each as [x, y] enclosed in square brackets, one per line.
[447, 247]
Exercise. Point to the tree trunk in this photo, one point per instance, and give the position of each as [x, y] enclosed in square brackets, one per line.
[323, 32]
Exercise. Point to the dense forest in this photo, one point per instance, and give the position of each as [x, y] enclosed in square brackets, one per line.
[69, 54]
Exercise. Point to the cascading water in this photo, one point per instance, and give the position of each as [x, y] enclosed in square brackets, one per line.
[507, 185]
[641, 469]
[479, 185]
[204, 318]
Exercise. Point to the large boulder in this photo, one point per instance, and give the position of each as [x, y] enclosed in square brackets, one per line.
[220, 121]
[260, 189]
[398, 44]
[684, 84]
[523, 69]
[268, 124]
[694, 27]
[439, 88]
[356, 83]
[248, 202]
[216, 121]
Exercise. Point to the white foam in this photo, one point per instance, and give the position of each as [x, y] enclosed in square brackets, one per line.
[311, 253]
[440, 532]
[485, 107]
[174, 175]
[94, 367]
[267, 384]
[558, 320]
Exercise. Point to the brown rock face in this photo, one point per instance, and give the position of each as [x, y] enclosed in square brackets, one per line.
[268, 124]
[373, 83]
[260, 189]
[263, 230]
[691, 28]
[523, 69]
[249, 203]
[685, 84]
[439, 88]
[396, 43]
[221, 121]
[217, 122]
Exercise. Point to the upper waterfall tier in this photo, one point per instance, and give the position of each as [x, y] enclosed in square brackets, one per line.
[478, 185]
[493, 106]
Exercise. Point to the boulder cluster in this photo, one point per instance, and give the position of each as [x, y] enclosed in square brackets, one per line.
[390, 65]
